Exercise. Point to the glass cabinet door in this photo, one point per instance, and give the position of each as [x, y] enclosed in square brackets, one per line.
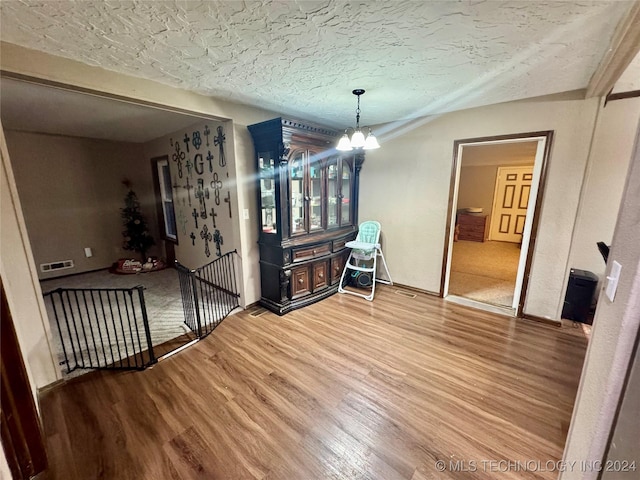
[269, 213]
[315, 197]
[297, 200]
[345, 195]
[333, 200]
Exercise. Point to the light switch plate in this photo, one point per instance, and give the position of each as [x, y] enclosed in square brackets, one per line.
[612, 280]
[245, 213]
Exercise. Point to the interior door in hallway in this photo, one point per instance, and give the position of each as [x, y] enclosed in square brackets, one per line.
[510, 201]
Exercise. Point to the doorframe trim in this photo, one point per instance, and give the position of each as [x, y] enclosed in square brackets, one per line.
[22, 436]
[548, 134]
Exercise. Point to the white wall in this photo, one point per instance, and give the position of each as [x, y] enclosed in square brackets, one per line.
[604, 182]
[625, 444]
[21, 284]
[405, 185]
[477, 185]
[238, 233]
[246, 172]
[615, 329]
[47, 67]
[71, 193]
[193, 256]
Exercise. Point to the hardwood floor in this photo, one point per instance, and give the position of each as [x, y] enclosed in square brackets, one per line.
[343, 389]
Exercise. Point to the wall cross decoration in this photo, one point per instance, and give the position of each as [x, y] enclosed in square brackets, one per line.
[207, 132]
[196, 140]
[194, 214]
[175, 187]
[198, 163]
[189, 166]
[201, 193]
[213, 216]
[219, 140]
[182, 221]
[205, 234]
[217, 238]
[228, 200]
[216, 184]
[188, 187]
[193, 239]
[186, 141]
[177, 157]
[210, 159]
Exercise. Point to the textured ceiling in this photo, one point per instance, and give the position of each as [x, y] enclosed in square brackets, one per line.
[303, 58]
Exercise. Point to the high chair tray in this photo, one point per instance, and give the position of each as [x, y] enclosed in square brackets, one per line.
[360, 245]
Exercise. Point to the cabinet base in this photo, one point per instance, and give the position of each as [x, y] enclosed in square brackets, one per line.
[282, 308]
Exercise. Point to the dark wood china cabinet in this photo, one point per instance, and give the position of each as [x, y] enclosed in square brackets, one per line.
[308, 210]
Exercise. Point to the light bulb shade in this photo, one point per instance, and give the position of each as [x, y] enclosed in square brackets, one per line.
[371, 142]
[357, 139]
[344, 144]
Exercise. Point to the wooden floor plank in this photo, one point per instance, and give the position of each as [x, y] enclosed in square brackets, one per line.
[344, 389]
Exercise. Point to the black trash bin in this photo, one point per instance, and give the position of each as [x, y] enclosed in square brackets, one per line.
[580, 290]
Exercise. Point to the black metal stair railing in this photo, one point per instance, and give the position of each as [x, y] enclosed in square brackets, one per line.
[209, 293]
[106, 328]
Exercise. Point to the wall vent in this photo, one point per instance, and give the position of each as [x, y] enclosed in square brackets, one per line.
[404, 293]
[49, 267]
[257, 312]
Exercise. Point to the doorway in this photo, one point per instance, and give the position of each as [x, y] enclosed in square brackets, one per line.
[496, 191]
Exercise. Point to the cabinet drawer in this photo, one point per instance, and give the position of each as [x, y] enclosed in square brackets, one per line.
[300, 282]
[476, 237]
[339, 244]
[320, 275]
[306, 253]
[473, 229]
[471, 220]
[337, 265]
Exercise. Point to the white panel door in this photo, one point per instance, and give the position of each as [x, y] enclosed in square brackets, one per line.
[510, 201]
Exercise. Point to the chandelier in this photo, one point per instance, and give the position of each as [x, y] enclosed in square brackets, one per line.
[357, 139]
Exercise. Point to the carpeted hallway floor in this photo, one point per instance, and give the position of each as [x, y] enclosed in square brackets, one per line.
[484, 271]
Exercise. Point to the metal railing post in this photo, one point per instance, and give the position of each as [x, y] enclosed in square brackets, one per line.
[145, 321]
[196, 305]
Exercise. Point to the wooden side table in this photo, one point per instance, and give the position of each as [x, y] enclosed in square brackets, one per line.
[472, 227]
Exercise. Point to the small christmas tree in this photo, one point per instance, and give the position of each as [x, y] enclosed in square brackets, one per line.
[136, 236]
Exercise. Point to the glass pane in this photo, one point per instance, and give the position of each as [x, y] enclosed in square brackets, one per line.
[166, 195]
[268, 210]
[296, 165]
[332, 194]
[315, 194]
[166, 179]
[170, 220]
[345, 192]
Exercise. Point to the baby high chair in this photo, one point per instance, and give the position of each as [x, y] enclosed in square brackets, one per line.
[360, 267]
